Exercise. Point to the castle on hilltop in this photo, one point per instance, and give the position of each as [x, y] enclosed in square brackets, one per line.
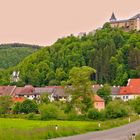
[132, 23]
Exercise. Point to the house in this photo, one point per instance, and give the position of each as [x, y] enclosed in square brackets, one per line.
[99, 103]
[131, 91]
[26, 92]
[132, 23]
[115, 90]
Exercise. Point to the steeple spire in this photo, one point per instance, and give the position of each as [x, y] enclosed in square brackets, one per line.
[113, 18]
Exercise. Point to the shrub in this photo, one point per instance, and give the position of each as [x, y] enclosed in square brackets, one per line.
[17, 108]
[135, 104]
[29, 106]
[49, 111]
[5, 104]
[116, 109]
[93, 113]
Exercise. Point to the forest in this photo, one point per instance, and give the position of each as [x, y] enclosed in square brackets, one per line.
[12, 54]
[113, 53]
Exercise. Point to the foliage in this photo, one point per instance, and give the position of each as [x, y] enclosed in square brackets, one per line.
[113, 53]
[44, 98]
[80, 81]
[105, 93]
[17, 108]
[12, 54]
[28, 106]
[117, 108]
[135, 104]
[49, 111]
[93, 113]
[5, 104]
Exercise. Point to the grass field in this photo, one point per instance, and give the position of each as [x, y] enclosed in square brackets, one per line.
[138, 137]
[19, 129]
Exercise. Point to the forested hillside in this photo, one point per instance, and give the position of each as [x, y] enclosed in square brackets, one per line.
[114, 54]
[12, 54]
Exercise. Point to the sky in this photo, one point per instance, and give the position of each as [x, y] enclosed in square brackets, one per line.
[42, 22]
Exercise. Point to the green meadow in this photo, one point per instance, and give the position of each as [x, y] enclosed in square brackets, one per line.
[20, 129]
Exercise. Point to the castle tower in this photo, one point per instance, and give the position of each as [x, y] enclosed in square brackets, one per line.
[113, 18]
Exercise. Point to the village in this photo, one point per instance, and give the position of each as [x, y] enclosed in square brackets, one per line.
[58, 93]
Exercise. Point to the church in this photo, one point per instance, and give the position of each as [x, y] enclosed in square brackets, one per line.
[132, 23]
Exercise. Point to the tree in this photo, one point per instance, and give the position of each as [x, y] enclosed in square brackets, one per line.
[17, 108]
[29, 106]
[44, 98]
[81, 90]
[105, 93]
[5, 104]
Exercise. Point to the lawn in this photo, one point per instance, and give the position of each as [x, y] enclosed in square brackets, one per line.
[19, 129]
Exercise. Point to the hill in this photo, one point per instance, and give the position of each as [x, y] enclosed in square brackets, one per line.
[114, 54]
[12, 54]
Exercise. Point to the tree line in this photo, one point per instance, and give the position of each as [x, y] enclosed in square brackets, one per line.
[113, 53]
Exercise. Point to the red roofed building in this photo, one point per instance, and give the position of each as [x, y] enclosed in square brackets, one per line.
[99, 103]
[131, 91]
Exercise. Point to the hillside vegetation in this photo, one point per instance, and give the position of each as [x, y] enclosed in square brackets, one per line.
[114, 54]
[12, 54]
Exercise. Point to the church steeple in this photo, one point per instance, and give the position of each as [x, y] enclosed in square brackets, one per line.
[113, 18]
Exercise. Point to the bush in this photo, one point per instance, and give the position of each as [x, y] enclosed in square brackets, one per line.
[28, 106]
[17, 108]
[93, 113]
[116, 109]
[49, 111]
[135, 104]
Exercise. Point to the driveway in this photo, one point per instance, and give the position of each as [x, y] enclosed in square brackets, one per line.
[119, 133]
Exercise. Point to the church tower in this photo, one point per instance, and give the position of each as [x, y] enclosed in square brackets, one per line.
[113, 18]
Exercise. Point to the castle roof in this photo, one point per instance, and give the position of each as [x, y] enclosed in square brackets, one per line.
[113, 18]
[136, 16]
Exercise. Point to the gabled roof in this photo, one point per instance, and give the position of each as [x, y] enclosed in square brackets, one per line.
[98, 98]
[95, 88]
[132, 88]
[115, 90]
[134, 82]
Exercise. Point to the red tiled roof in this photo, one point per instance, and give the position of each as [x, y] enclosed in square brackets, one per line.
[98, 98]
[132, 88]
[27, 90]
[18, 99]
[134, 82]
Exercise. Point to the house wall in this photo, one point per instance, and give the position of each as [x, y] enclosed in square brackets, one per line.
[133, 24]
[99, 105]
[125, 97]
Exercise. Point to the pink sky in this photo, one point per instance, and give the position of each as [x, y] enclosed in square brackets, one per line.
[42, 22]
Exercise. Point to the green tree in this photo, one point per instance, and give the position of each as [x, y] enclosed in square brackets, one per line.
[80, 81]
[29, 106]
[17, 108]
[5, 104]
[105, 93]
